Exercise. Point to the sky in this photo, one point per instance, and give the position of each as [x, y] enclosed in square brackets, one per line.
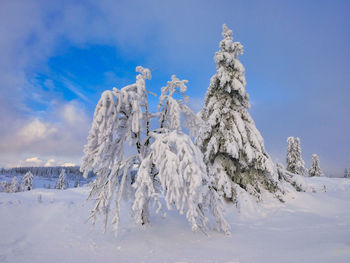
[57, 57]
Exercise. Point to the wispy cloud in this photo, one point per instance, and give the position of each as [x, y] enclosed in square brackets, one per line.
[76, 89]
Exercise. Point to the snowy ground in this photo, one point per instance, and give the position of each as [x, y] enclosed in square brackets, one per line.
[309, 227]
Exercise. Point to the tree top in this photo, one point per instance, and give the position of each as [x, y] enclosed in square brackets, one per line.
[226, 32]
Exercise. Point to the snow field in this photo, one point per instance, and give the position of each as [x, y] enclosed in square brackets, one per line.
[308, 227]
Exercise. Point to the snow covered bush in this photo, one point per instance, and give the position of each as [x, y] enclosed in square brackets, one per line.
[315, 166]
[27, 181]
[295, 163]
[166, 164]
[62, 182]
[233, 147]
[295, 180]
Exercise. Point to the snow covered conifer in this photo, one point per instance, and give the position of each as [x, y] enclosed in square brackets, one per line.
[15, 186]
[27, 181]
[233, 147]
[315, 166]
[295, 163]
[291, 158]
[346, 173]
[118, 120]
[5, 187]
[300, 165]
[62, 182]
[76, 181]
[166, 162]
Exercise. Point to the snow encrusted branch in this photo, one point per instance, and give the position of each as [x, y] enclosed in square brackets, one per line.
[167, 164]
[183, 180]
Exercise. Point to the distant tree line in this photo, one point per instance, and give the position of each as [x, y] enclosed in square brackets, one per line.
[47, 172]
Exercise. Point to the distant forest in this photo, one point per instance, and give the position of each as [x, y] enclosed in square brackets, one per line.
[47, 172]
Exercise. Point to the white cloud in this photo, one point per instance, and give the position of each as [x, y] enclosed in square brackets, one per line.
[68, 164]
[72, 114]
[59, 135]
[36, 130]
[50, 162]
[33, 160]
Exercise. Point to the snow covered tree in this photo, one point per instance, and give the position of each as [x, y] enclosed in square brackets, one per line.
[315, 166]
[294, 160]
[27, 181]
[346, 173]
[166, 164]
[62, 182]
[178, 165]
[76, 181]
[5, 186]
[294, 180]
[291, 158]
[233, 147]
[300, 165]
[15, 186]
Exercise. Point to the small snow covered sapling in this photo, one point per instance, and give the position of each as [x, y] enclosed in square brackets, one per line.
[315, 166]
[62, 182]
[167, 164]
[27, 181]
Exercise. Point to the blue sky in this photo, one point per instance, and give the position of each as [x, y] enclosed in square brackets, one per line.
[58, 56]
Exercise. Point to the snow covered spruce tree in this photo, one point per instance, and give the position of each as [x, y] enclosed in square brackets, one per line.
[295, 163]
[233, 147]
[62, 182]
[315, 166]
[167, 164]
[5, 187]
[27, 181]
[15, 186]
[346, 173]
